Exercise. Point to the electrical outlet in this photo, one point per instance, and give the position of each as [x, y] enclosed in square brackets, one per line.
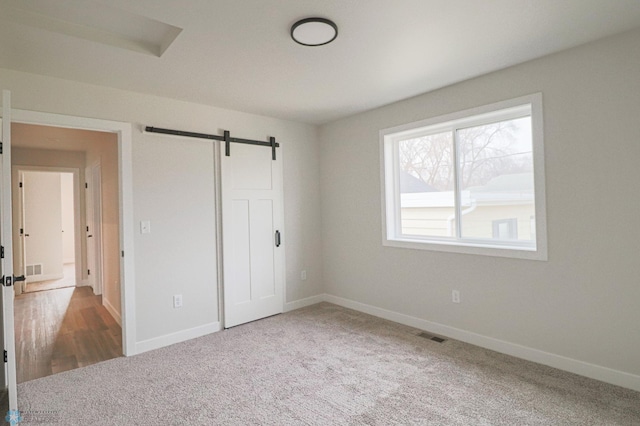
[303, 275]
[455, 296]
[177, 301]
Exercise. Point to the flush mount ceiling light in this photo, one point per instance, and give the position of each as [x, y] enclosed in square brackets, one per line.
[314, 31]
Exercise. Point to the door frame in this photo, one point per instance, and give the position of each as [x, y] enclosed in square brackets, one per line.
[93, 177]
[124, 132]
[16, 171]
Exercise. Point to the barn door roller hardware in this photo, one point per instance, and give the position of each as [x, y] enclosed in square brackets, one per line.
[227, 139]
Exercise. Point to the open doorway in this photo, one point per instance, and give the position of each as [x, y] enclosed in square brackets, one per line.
[66, 242]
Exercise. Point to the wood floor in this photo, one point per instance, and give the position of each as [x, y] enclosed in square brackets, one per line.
[63, 329]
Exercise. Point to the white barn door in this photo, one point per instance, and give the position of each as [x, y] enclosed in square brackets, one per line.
[252, 233]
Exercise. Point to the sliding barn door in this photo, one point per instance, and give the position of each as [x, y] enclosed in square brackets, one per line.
[9, 370]
[252, 233]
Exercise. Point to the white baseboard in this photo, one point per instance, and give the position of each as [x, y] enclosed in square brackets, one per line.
[114, 313]
[177, 337]
[604, 374]
[301, 303]
[38, 278]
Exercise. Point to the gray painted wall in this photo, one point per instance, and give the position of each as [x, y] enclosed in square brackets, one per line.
[583, 302]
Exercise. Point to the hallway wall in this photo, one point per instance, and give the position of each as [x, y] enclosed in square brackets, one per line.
[104, 148]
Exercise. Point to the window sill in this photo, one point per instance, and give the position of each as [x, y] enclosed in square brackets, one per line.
[469, 248]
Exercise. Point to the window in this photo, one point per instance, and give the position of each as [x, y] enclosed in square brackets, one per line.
[470, 182]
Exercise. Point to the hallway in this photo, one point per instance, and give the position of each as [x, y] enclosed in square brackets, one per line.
[63, 329]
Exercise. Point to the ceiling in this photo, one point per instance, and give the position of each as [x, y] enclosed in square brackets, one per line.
[238, 54]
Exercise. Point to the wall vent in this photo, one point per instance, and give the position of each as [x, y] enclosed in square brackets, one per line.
[432, 337]
[34, 269]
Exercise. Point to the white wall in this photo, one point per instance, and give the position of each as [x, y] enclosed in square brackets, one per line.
[43, 223]
[68, 235]
[173, 188]
[583, 302]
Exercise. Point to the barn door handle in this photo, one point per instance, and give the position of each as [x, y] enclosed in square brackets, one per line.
[277, 238]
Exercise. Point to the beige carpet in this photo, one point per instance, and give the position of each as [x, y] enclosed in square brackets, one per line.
[323, 365]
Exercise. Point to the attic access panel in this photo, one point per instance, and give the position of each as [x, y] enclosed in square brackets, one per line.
[94, 21]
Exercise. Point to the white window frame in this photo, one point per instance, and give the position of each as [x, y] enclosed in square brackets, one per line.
[391, 226]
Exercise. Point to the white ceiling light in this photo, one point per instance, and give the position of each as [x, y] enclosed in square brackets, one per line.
[314, 31]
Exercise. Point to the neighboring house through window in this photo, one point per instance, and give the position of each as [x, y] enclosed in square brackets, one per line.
[470, 182]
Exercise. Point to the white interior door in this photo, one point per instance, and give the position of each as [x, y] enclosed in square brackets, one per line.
[42, 228]
[252, 216]
[8, 337]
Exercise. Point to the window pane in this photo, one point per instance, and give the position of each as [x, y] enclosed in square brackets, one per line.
[427, 201]
[496, 181]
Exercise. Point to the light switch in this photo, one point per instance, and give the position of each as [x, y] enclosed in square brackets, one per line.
[145, 227]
